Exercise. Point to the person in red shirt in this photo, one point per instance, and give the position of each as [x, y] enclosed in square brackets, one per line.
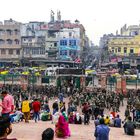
[36, 108]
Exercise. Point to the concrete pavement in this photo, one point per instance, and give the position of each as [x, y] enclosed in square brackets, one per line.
[33, 131]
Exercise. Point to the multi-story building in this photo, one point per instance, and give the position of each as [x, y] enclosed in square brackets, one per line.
[131, 30]
[128, 49]
[59, 30]
[104, 40]
[52, 39]
[125, 45]
[33, 41]
[42, 40]
[69, 49]
[10, 41]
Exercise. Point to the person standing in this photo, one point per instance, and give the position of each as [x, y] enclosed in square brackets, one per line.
[7, 104]
[46, 107]
[26, 109]
[102, 131]
[127, 112]
[85, 111]
[36, 105]
[61, 96]
[55, 107]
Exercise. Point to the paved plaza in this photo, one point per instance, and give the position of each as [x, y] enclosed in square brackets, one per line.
[33, 131]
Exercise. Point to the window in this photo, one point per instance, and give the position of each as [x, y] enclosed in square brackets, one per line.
[131, 50]
[72, 42]
[10, 51]
[2, 32]
[63, 42]
[17, 52]
[61, 52]
[27, 51]
[125, 50]
[2, 41]
[64, 52]
[72, 53]
[42, 50]
[112, 50]
[70, 34]
[16, 31]
[3, 51]
[16, 41]
[119, 49]
[35, 51]
[9, 32]
[30, 39]
[9, 41]
[55, 44]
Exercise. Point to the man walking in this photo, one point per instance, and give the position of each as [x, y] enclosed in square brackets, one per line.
[36, 108]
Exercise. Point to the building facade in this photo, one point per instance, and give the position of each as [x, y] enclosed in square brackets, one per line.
[57, 40]
[131, 30]
[69, 49]
[33, 41]
[10, 41]
[125, 46]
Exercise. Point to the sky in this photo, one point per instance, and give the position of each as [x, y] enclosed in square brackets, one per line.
[98, 16]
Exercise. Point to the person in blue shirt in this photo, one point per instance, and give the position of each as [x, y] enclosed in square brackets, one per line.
[61, 96]
[102, 131]
[117, 121]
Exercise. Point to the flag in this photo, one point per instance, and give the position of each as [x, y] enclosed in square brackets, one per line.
[78, 60]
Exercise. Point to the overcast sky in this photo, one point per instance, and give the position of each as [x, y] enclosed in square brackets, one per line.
[98, 16]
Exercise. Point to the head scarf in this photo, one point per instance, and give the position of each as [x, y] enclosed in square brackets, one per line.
[65, 115]
[77, 116]
[62, 127]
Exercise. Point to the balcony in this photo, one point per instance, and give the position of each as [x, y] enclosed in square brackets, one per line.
[10, 46]
[33, 45]
[51, 39]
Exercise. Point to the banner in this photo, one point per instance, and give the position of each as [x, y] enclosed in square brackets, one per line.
[123, 85]
[103, 81]
[119, 85]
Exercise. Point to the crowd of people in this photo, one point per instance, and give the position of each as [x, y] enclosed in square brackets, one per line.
[100, 105]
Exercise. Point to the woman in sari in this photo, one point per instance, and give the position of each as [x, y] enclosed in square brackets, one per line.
[62, 128]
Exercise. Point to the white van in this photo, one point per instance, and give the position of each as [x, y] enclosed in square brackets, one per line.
[51, 71]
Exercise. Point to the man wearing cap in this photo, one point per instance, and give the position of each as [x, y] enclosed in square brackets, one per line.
[7, 104]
